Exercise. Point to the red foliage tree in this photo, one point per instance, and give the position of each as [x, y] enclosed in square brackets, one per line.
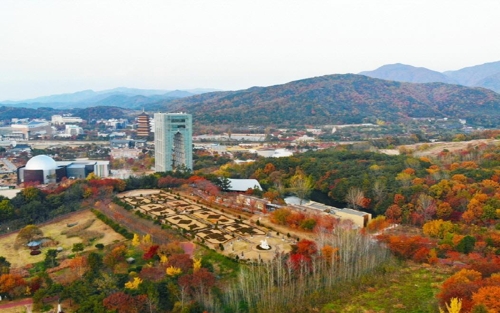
[295, 219]
[305, 247]
[182, 261]
[151, 252]
[325, 223]
[201, 281]
[124, 303]
[170, 182]
[405, 247]
[155, 274]
[393, 213]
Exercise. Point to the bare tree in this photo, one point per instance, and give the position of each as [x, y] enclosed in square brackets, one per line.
[354, 197]
[426, 206]
[379, 191]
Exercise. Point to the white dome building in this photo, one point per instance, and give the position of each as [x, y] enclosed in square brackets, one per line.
[41, 162]
[41, 169]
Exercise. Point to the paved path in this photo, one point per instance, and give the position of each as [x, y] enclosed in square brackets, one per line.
[9, 165]
[10, 305]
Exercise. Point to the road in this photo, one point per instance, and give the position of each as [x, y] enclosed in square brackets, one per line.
[9, 305]
[9, 164]
[49, 143]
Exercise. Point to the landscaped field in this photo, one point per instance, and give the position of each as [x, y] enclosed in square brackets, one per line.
[214, 227]
[410, 289]
[20, 257]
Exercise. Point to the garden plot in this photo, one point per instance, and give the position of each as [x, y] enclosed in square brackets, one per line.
[242, 229]
[214, 236]
[213, 217]
[186, 222]
[158, 210]
[213, 227]
[162, 198]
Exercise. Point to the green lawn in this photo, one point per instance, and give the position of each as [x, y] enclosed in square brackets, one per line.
[408, 288]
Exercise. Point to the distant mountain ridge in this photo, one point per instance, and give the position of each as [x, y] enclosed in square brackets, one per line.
[407, 73]
[485, 75]
[329, 99]
[120, 97]
[89, 114]
[337, 99]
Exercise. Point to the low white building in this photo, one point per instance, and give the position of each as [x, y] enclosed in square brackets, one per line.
[243, 184]
[73, 130]
[31, 129]
[359, 218]
[61, 120]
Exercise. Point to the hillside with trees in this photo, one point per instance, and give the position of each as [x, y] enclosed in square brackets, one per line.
[434, 241]
[340, 99]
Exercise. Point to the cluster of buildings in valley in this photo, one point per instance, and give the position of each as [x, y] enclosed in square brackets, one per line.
[68, 126]
[173, 148]
[43, 169]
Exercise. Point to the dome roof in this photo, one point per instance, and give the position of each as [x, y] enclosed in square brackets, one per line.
[41, 162]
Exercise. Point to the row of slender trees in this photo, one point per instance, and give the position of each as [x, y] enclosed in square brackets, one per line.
[306, 277]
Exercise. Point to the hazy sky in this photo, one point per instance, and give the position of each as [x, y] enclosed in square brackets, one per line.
[49, 47]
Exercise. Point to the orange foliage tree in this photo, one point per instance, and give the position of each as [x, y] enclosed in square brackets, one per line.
[12, 284]
[461, 285]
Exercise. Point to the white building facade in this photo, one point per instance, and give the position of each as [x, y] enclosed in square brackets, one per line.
[173, 141]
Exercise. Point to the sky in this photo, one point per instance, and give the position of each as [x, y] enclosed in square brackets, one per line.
[51, 47]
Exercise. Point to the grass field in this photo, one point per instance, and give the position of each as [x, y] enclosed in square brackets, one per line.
[22, 257]
[409, 289]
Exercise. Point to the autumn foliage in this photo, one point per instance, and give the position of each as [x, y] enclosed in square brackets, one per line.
[408, 247]
[125, 303]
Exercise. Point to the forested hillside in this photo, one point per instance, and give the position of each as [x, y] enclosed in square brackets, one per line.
[396, 186]
[338, 99]
[442, 211]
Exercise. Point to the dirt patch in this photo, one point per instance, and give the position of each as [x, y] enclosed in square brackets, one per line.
[433, 149]
[139, 192]
[22, 257]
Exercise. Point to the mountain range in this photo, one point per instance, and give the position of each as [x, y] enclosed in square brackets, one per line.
[339, 99]
[131, 98]
[329, 99]
[485, 75]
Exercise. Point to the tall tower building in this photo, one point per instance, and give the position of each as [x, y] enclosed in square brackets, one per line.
[173, 141]
[143, 125]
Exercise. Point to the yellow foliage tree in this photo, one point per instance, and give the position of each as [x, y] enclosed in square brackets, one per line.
[147, 239]
[136, 240]
[454, 307]
[196, 264]
[91, 176]
[133, 284]
[437, 228]
[163, 259]
[173, 271]
[461, 178]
